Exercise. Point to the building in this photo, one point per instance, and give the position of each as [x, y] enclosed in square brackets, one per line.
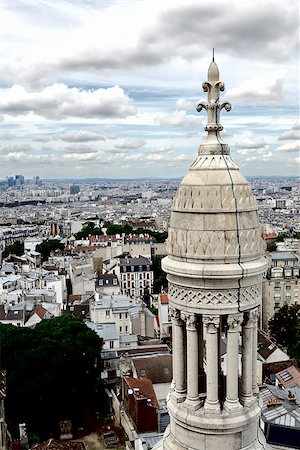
[136, 274]
[281, 287]
[214, 268]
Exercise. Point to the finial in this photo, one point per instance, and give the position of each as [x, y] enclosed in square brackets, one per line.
[213, 86]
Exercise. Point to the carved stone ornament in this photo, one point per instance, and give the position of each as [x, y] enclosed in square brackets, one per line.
[254, 315]
[175, 314]
[234, 320]
[211, 323]
[190, 320]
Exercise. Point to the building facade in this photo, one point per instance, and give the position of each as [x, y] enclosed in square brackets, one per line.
[214, 268]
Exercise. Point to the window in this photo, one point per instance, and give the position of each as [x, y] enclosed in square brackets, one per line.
[115, 281]
[143, 372]
[126, 328]
[166, 370]
[126, 315]
[107, 312]
[120, 328]
[140, 268]
[100, 282]
[132, 268]
[111, 344]
[120, 316]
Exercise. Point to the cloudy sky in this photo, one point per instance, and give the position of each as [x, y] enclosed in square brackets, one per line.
[103, 88]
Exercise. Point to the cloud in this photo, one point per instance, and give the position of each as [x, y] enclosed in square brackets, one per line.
[243, 30]
[60, 101]
[289, 147]
[79, 148]
[130, 144]
[293, 133]
[251, 142]
[260, 90]
[179, 119]
[184, 105]
[80, 136]
[253, 148]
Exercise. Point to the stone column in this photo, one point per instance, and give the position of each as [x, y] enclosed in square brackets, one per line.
[232, 403]
[246, 396]
[254, 317]
[179, 375]
[212, 404]
[192, 400]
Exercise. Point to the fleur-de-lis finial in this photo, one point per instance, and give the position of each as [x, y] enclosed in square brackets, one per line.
[213, 86]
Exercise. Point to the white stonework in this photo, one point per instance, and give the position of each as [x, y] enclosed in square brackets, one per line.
[215, 269]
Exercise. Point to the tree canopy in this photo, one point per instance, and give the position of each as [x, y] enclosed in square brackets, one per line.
[284, 327]
[15, 249]
[52, 373]
[88, 229]
[49, 246]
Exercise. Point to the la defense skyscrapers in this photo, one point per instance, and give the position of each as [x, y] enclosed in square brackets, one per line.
[214, 268]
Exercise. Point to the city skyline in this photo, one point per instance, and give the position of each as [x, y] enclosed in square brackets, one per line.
[109, 90]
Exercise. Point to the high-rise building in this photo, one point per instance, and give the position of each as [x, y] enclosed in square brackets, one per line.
[215, 268]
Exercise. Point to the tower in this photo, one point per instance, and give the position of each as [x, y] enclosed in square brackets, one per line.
[214, 268]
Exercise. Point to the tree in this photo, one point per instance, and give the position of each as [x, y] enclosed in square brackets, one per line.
[118, 229]
[159, 276]
[15, 249]
[271, 246]
[88, 229]
[284, 326]
[52, 373]
[49, 246]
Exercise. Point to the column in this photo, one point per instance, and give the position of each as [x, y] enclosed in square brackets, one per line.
[192, 400]
[232, 403]
[178, 355]
[246, 396]
[212, 404]
[254, 317]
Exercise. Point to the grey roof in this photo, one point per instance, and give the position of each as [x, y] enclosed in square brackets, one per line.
[107, 331]
[287, 414]
[127, 338]
[150, 439]
[278, 256]
[115, 302]
[136, 261]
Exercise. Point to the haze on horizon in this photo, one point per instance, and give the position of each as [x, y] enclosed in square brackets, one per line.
[108, 89]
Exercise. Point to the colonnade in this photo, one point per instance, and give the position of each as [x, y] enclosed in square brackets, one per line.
[189, 332]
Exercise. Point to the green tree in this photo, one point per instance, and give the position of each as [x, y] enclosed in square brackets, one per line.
[118, 229]
[159, 276]
[88, 229]
[49, 246]
[15, 249]
[284, 326]
[52, 373]
[271, 246]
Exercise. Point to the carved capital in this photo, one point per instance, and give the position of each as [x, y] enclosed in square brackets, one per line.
[190, 320]
[233, 321]
[211, 323]
[175, 315]
[254, 315]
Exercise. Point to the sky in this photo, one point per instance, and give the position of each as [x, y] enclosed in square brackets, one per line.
[108, 89]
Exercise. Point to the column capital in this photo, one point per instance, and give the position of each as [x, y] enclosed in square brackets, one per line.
[175, 315]
[190, 320]
[211, 323]
[233, 321]
[253, 315]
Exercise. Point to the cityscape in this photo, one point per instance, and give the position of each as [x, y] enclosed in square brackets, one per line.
[149, 225]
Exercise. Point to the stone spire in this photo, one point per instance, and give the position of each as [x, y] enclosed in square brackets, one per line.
[213, 86]
[214, 269]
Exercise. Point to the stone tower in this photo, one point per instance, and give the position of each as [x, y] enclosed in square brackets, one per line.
[214, 268]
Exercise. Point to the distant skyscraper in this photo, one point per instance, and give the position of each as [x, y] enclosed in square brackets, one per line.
[215, 269]
[74, 189]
